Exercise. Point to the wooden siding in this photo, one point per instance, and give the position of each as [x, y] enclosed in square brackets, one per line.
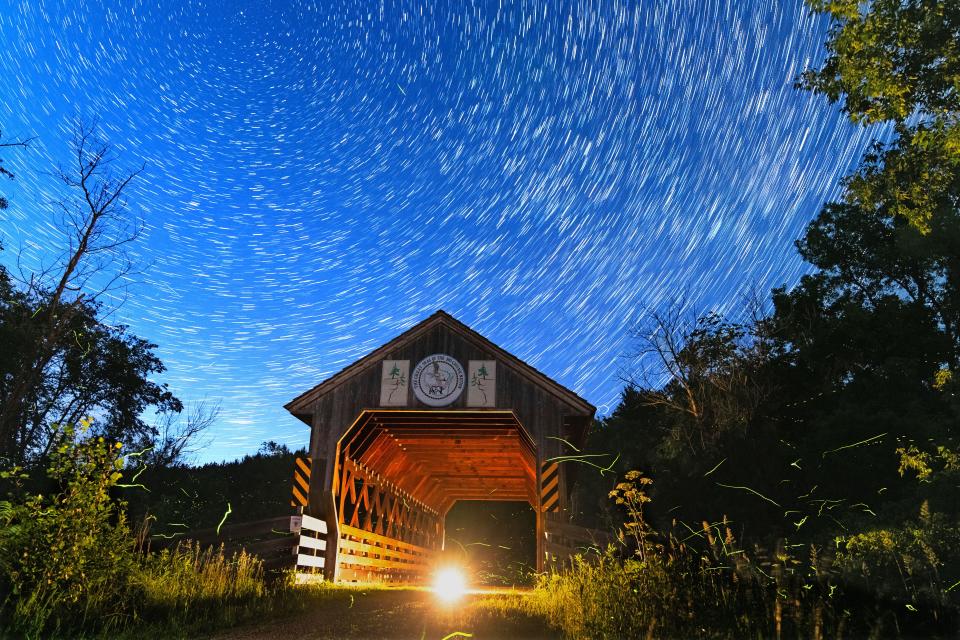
[540, 411]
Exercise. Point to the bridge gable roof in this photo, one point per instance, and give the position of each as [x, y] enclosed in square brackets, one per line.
[301, 406]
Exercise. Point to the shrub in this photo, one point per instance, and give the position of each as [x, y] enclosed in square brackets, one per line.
[914, 562]
[70, 566]
[66, 559]
[885, 583]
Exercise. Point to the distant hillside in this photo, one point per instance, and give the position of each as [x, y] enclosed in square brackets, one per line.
[186, 498]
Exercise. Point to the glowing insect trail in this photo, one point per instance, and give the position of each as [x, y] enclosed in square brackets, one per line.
[323, 174]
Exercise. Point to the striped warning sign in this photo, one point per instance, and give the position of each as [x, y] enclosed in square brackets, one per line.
[301, 481]
[550, 486]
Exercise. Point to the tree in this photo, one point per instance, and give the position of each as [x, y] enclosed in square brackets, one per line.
[695, 417]
[66, 556]
[890, 250]
[61, 360]
[4, 171]
[898, 62]
[868, 343]
[177, 437]
[709, 367]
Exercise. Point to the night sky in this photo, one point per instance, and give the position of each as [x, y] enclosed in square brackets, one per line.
[322, 175]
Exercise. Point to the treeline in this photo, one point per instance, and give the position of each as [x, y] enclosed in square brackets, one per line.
[815, 431]
[179, 498]
[835, 406]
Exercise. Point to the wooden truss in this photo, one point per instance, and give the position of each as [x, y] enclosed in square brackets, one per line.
[370, 502]
[398, 472]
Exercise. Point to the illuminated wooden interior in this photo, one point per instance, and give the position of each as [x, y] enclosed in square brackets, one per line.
[438, 458]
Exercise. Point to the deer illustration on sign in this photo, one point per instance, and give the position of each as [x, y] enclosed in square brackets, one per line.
[437, 380]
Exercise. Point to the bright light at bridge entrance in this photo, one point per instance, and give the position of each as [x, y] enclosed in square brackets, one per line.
[449, 584]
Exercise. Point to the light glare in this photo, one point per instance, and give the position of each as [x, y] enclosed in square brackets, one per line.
[449, 584]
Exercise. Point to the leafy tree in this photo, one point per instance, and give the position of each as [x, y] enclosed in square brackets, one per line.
[898, 62]
[68, 555]
[93, 369]
[695, 417]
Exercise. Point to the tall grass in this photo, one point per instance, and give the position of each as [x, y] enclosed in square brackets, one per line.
[886, 583]
[176, 593]
[686, 597]
[189, 589]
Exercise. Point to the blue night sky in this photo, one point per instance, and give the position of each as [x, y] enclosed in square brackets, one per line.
[322, 175]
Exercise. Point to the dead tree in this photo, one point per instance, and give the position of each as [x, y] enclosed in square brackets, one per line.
[6, 173]
[700, 370]
[179, 437]
[98, 227]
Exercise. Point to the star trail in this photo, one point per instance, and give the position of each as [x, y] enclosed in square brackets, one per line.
[322, 175]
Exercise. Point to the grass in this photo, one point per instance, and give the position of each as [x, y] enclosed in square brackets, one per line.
[175, 594]
[683, 596]
[344, 611]
[70, 568]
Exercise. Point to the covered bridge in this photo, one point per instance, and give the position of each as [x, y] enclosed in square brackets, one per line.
[436, 415]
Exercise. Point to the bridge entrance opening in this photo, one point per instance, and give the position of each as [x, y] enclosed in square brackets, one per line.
[399, 473]
[495, 541]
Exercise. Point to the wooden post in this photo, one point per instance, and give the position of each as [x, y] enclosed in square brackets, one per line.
[541, 537]
[331, 563]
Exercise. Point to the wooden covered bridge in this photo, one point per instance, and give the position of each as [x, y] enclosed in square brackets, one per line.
[436, 415]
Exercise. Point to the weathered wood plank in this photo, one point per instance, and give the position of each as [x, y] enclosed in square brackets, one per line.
[314, 524]
[307, 542]
[304, 560]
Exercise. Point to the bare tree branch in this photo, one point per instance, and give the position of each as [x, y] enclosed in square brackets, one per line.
[179, 437]
[99, 229]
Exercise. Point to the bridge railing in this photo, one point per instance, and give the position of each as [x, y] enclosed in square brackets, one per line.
[565, 540]
[311, 544]
[272, 540]
[369, 557]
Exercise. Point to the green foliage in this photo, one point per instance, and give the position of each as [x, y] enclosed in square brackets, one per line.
[69, 566]
[66, 559]
[888, 59]
[95, 368]
[895, 61]
[929, 466]
[916, 562]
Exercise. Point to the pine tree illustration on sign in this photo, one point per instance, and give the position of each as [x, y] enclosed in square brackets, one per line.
[393, 385]
[483, 384]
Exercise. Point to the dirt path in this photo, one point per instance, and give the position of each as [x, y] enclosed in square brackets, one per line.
[407, 614]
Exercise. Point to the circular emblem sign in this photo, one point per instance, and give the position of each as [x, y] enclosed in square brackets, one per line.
[437, 380]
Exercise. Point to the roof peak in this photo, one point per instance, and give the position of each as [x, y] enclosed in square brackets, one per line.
[456, 325]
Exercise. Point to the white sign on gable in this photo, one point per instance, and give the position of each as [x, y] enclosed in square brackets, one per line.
[437, 380]
[394, 383]
[482, 391]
